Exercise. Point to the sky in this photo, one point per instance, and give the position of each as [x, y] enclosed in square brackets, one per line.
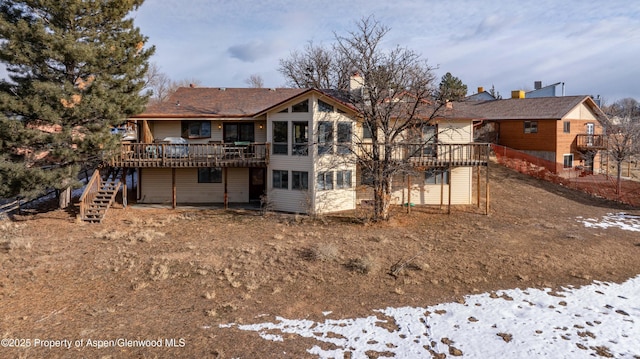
[593, 47]
[592, 321]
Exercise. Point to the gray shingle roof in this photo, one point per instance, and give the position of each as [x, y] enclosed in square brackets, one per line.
[542, 108]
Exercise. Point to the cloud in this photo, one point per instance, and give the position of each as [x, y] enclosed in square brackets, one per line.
[250, 52]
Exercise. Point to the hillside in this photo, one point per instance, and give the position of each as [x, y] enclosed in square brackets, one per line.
[158, 274]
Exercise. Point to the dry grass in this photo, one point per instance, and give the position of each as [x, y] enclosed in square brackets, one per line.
[362, 265]
[12, 237]
[323, 252]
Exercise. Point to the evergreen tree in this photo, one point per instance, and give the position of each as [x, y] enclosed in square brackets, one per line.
[76, 68]
[451, 88]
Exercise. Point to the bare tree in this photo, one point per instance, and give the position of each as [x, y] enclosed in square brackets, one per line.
[161, 86]
[158, 82]
[394, 93]
[255, 81]
[623, 132]
[316, 66]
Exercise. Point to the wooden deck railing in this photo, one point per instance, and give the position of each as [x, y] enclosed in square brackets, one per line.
[191, 155]
[90, 193]
[595, 142]
[436, 154]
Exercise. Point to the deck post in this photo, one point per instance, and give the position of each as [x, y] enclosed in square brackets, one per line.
[124, 187]
[226, 194]
[478, 184]
[487, 199]
[449, 205]
[408, 193]
[174, 199]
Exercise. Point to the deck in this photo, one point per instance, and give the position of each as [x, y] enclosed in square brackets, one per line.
[161, 155]
[586, 142]
[434, 155]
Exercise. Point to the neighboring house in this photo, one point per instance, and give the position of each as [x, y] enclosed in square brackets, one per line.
[566, 131]
[482, 95]
[546, 91]
[290, 148]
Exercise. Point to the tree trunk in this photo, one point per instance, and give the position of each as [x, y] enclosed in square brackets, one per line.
[619, 179]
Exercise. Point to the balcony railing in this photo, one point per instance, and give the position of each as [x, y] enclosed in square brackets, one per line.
[434, 154]
[191, 155]
[593, 142]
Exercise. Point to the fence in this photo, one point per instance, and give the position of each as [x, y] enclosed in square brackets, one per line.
[18, 204]
[599, 185]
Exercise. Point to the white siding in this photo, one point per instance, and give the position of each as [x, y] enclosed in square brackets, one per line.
[461, 180]
[288, 200]
[581, 112]
[155, 185]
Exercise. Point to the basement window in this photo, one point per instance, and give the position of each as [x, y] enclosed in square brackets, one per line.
[436, 176]
[568, 161]
[209, 175]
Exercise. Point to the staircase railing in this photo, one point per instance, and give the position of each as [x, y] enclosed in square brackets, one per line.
[90, 192]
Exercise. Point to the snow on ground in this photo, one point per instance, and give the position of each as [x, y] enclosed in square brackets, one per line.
[623, 221]
[602, 319]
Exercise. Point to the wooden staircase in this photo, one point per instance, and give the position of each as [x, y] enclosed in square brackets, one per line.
[98, 196]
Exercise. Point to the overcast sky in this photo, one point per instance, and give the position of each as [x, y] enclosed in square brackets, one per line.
[591, 46]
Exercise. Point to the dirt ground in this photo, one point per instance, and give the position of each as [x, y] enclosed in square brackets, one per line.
[176, 275]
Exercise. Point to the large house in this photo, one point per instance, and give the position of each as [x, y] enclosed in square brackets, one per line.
[290, 148]
[566, 132]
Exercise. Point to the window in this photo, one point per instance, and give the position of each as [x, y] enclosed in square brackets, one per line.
[436, 176]
[325, 137]
[325, 181]
[286, 110]
[196, 129]
[429, 138]
[344, 137]
[301, 107]
[566, 127]
[238, 132]
[591, 128]
[366, 131]
[530, 126]
[280, 143]
[568, 161]
[209, 175]
[280, 179]
[343, 179]
[324, 107]
[300, 180]
[300, 138]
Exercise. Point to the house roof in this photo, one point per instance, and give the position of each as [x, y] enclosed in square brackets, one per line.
[209, 102]
[220, 102]
[541, 108]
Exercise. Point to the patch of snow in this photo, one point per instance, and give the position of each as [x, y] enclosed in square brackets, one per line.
[623, 221]
[599, 319]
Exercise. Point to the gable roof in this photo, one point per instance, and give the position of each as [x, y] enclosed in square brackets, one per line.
[541, 108]
[220, 102]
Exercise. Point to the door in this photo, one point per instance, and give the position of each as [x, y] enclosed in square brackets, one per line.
[257, 183]
[590, 132]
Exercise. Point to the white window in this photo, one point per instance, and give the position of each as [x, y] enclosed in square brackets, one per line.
[568, 161]
[325, 181]
[343, 179]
